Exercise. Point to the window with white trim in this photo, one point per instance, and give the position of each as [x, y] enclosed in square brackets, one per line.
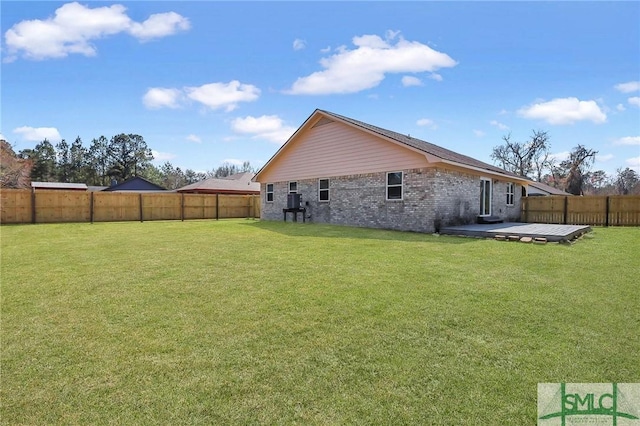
[269, 193]
[394, 185]
[510, 193]
[293, 187]
[323, 190]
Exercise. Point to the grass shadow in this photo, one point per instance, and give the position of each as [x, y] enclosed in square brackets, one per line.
[321, 230]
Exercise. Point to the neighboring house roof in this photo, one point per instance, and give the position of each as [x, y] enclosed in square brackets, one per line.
[59, 186]
[94, 188]
[539, 188]
[135, 184]
[239, 183]
[433, 153]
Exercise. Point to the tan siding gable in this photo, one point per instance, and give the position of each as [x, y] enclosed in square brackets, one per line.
[336, 149]
[323, 121]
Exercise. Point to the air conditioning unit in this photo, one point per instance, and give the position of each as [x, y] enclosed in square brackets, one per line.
[294, 201]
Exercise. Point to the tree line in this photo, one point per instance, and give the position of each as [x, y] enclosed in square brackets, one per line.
[532, 159]
[117, 159]
[124, 156]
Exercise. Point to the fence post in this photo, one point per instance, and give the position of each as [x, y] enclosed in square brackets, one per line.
[91, 207]
[606, 212]
[33, 205]
[217, 206]
[182, 206]
[140, 204]
[566, 204]
[256, 200]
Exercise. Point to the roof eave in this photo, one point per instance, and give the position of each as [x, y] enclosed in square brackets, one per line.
[486, 171]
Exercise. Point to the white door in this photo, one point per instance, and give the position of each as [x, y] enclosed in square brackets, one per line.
[485, 197]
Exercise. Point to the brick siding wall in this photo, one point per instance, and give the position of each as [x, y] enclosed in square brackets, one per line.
[431, 198]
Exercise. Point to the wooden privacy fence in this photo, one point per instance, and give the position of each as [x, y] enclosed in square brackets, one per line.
[605, 210]
[25, 206]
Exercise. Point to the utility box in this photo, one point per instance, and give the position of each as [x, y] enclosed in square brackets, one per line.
[294, 201]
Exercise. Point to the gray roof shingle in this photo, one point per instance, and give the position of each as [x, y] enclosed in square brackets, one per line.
[240, 182]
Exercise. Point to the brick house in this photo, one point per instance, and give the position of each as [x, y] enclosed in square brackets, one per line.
[347, 172]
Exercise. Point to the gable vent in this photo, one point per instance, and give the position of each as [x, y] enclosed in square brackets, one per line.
[322, 122]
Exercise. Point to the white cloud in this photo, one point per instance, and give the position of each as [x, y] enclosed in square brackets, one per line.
[391, 34]
[158, 97]
[233, 161]
[223, 95]
[159, 25]
[560, 156]
[435, 76]
[633, 163]
[212, 95]
[628, 140]
[351, 71]
[162, 156]
[194, 138]
[604, 158]
[620, 107]
[632, 86]
[75, 26]
[269, 127]
[299, 44]
[634, 101]
[326, 49]
[499, 125]
[408, 81]
[564, 111]
[478, 133]
[38, 134]
[426, 122]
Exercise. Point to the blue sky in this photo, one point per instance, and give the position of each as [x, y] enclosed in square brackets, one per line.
[207, 82]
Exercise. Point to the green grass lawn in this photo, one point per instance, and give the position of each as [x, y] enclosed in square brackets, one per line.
[237, 322]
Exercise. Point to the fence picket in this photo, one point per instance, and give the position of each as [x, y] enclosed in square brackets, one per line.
[599, 210]
[23, 205]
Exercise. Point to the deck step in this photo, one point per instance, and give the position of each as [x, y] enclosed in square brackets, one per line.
[489, 219]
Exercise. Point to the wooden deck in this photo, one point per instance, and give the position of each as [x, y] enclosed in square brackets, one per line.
[534, 230]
